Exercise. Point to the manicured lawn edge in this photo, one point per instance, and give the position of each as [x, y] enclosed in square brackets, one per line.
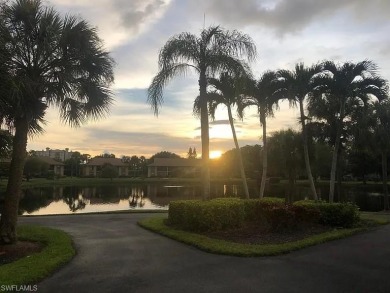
[217, 246]
[58, 251]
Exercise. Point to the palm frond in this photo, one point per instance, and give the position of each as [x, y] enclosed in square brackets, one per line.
[182, 48]
[155, 90]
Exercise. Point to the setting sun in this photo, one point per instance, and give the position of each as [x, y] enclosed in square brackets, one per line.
[215, 154]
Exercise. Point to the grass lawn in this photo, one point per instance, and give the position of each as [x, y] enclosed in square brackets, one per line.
[218, 246]
[58, 251]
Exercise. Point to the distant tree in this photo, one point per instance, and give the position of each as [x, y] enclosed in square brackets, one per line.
[321, 159]
[32, 153]
[109, 171]
[34, 166]
[5, 143]
[192, 153]
[105, 155]
[85, 158]
[135, 165]
[164, 154]
[226, 165]
[72, 165]
[125, 159]
[285, 153]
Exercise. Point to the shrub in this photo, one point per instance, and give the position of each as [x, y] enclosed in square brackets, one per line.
[330, 214]
[228, 213]
[212, 215]
[254, 208]
[280, 217]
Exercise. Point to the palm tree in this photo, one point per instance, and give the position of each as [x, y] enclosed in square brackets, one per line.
[297, 86]
[382, 139]
[215, 50]
[51, 61]
[227, 91]
[344, 87]
[263, 94]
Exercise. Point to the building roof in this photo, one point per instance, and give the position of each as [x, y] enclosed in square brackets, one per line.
[175, 162]
[50, 161]
[103, 161]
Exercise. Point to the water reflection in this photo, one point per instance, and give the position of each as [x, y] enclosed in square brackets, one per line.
[76, 199]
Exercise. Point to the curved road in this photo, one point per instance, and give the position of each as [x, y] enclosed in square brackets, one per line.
[115, 255]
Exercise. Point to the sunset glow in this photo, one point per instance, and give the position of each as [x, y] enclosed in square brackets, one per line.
[215, 154]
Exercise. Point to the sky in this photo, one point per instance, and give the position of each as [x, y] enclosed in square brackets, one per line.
[133, 31]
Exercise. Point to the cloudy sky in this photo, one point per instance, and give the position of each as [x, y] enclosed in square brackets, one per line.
[285, 32]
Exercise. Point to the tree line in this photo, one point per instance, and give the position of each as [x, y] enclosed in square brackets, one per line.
[338, 102]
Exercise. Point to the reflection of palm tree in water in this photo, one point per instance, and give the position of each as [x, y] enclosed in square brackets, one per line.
[136, 198]
[75, 203]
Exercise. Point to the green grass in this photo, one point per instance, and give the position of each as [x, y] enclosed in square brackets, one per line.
[230, 248]
[58, 251]
[381, 218]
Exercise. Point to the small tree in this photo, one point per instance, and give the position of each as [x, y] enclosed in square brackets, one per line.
[109, 171]
[34, 166]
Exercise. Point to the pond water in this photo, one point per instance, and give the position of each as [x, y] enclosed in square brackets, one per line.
[76, 199]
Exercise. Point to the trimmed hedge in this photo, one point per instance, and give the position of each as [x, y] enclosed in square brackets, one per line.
[331, 214]
[198, 215]
[228, 213]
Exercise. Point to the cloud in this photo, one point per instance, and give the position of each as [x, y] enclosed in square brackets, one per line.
[288, 16]
[136, 13]
[118, 21]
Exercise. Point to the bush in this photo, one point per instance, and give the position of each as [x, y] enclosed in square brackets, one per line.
[273, 213]
[212, 215]
[254, 208]
[330, 214]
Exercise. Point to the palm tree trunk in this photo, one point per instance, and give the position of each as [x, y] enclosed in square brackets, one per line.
[384, 180]
[306, 152]
[9, 214]
[265, 151]
[239, 157]
[335, 153]
[204, 125]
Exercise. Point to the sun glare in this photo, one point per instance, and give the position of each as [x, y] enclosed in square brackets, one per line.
[215, 154]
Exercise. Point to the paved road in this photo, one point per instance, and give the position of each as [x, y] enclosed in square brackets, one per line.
[115, 255]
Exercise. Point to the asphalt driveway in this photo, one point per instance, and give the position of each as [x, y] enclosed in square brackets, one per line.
[115, 255]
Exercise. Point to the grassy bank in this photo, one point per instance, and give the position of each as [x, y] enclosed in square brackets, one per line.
[77, 181]
[58, 251]
[217, 246]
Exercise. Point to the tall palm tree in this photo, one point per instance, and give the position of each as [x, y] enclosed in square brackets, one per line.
[297, 84]
[52, 61]
[382, 139]
[344, 87]
[227, 91]
[263, 93]
[215, 50]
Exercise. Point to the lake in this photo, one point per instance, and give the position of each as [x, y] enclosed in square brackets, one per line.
[77, 199]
